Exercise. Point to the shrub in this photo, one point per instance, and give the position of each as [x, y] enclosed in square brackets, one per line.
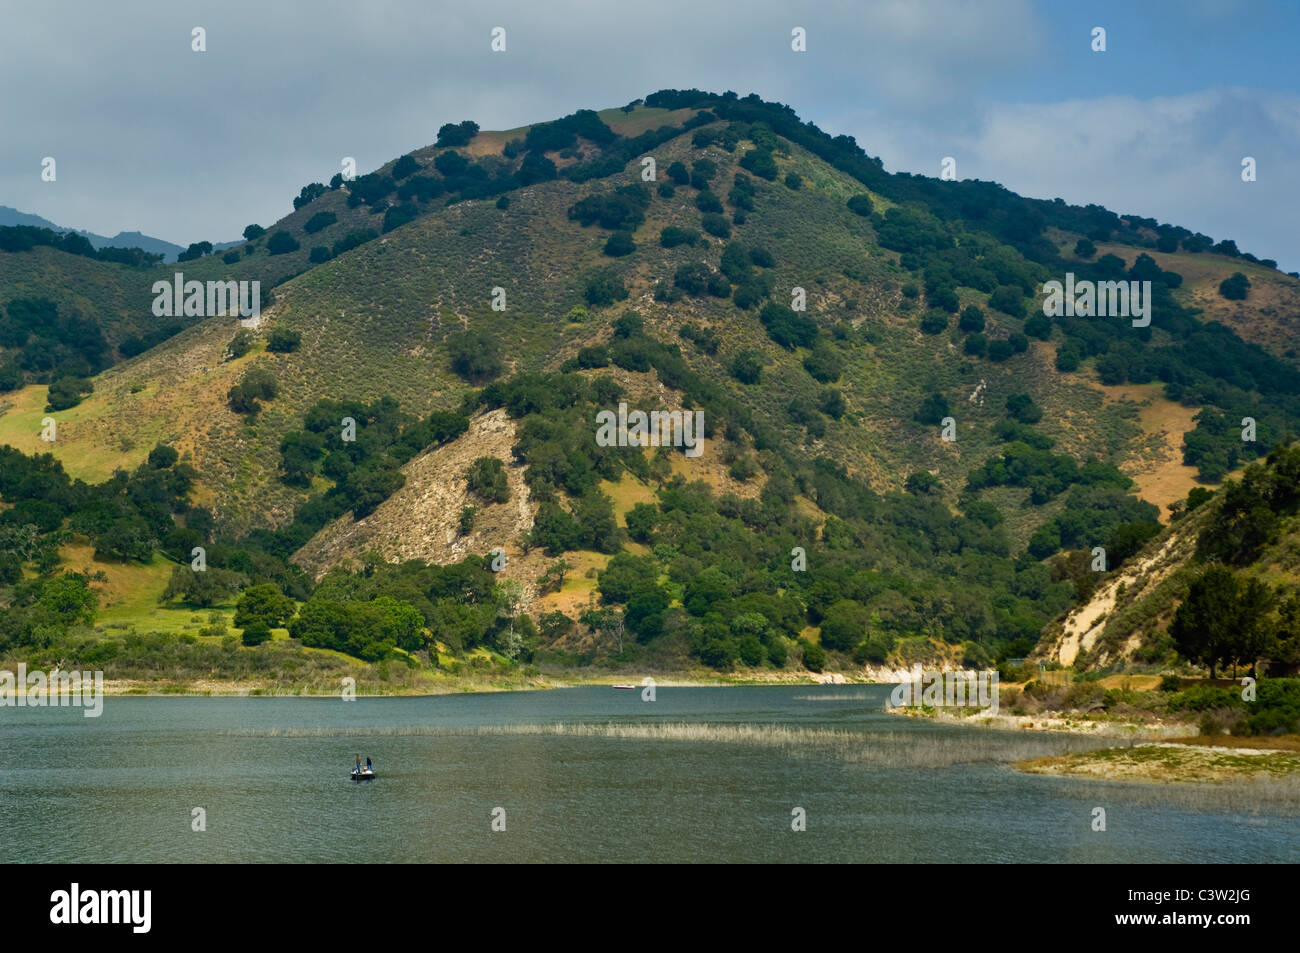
[486, 479]
[620, 244]
[793, 180]
[475, 355]
[1008, 299]
[283, 341]
[706, 201]
[787, 327]
[716, 225]
[934, 321]
[860, 205]
[240, 344]
[972, 320]
[405, 166]
[281, 243]
[319, 221]
[1000, 350]
[1236, 287]
[746, 367]
[456, 133]
[255, 633]
[814, 656]
[672, 236]
[824, 363]
[399, 215]
[604, 287]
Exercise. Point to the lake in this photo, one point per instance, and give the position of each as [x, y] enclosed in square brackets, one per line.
[581, 774]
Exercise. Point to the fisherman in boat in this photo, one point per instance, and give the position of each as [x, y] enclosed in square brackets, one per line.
[369, 768]
[357, 769]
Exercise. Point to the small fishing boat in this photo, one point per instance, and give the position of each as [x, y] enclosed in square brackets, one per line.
[626, 688]
[365, 774]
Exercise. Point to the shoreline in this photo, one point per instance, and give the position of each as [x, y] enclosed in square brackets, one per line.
[1159, 752]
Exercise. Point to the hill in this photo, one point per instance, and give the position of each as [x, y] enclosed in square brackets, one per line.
[487, 296]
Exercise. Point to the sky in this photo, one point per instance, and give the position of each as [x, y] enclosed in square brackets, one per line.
[148, 134]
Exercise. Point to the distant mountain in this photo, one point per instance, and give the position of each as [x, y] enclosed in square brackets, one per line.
[155, 246]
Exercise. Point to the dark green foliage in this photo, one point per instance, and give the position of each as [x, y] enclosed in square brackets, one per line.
[309, 194]
[1000, 349]
[456, 133]
[746, 367]
[1022, 408]
[536, 168]
[678, 173]
[22, 238]
[824, 362]
[1221, 620]
[932, 410]
[1084, 248]
[972, 320]
[1236, 287]
[814, 656]
[263, 603]
[831, 403]
[398, 215]
[619, 244]
[426, 188]
[1038, 326]
[604, 287]
[934, 321]
[486, 479]
[281, 243]
[405, 166]
[1009, 300]
[562, 133]
[844, 625]
[672, 236]
[319, 255]
[450, 164]
[716, 225]
[475, 355]
[708, 202]
[240, 344]
[761, 163]
[354, 239]
[51, 346]
[622, 209]
[255, 633]
[319, 221]
[976, 345]
[283, 341]
[67, 392]
[860, 205]
[256, 385]
[253, 232]
[787, 327]
[793, 180]
[197, 250]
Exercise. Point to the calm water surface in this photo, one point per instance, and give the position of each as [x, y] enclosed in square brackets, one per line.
[272, 777]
